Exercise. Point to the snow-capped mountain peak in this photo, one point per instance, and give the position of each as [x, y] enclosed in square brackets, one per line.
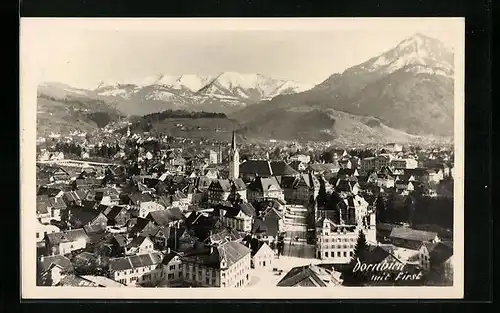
[418, 53]
[192, 82]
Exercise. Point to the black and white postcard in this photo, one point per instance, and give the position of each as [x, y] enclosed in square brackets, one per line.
[242, 158]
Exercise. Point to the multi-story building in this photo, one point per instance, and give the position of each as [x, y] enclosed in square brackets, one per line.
[264, 188]
[221, 190]
[225, 265]
[300, 189]
[140, 269]
[66, 241]
[336, 234]
[240, 217]
[374, 163]
[403, 163]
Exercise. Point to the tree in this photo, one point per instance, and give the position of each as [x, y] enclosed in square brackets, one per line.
[321, 199]
[352, 276]
[380, 209]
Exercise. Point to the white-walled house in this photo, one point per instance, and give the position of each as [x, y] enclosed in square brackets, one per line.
[140, 269]
[226, 265]
[66, 241]
[139, 245]
[172, 267]
[263, 257]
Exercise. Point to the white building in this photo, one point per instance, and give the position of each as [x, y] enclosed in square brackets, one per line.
[141, 269]
[226, 265]
[263, 257]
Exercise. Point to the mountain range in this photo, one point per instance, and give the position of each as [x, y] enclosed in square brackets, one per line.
[403, 94]
[226, 92]
[406, 91]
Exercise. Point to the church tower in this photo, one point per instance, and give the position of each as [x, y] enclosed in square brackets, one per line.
[234, 160]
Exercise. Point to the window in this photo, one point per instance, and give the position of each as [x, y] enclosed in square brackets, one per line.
[351, 253]
[326, 254]
[207, 281]
[170, 276]
[37, 235]
[345, 254]
[172, 267]
[338, 254]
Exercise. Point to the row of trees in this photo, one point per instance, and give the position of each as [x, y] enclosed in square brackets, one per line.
[414, 209]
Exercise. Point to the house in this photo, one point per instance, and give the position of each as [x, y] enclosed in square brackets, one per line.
[101, 281]
[262, 255]
[51, 269]
[403, 163]
[310, 276]
[117, 215]
[264, 188]
[411, 238]
[49, 208]
[42, 209]
[303, 158]
[374, 163]
[169, 217]
[140, 225]
[323, 168]
[82, 216]
[74, 197]
[172, 268]
[43, 229]
[148, 207]
[65, 242]
[239, 217]
[226, 234]
[297, 165]
[139, 245]
[269, 225]
[300, 189]
[221, 189]
[226, 265]
[137, 270]
[335, 243]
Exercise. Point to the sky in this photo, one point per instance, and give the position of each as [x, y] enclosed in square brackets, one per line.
[84, 52]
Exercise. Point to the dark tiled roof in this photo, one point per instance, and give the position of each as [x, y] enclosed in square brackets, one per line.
[137, 241]
[75, 281]
[260, 167]
[264, 184]
[247, 208]
[280, 168]
[135, 261]
[299, 274]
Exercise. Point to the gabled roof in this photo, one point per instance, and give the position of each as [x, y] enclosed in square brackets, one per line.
[58, 260]
[135, 261]
[307, 276]
[412, 234]
[137, 241]
[112, 212]
[247, 208]
[263, 184]
[280, 168]
[260, 167]
[67, 236]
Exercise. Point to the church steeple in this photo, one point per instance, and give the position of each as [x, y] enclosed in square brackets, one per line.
[233, 142]
[234, 159]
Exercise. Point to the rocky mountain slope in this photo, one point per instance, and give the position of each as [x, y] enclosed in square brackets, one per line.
[226, 92]
[406, 92]
[63, 109]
